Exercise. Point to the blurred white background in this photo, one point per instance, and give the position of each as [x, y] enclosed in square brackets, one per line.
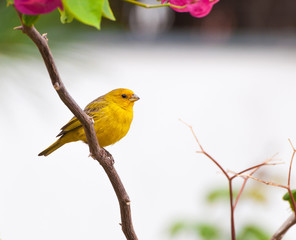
[239, 98]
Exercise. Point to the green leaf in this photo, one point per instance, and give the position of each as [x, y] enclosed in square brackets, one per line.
[177, 228]
[107, 12]
[87, 11]
[287, 197]
[207, 231]
[66, 16]
[219, 194]
[29, 20]
[251, 232]
[9, 2]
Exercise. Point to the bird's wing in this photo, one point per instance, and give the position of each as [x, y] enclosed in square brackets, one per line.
[72, 124]
[95, 105]
[91, 109]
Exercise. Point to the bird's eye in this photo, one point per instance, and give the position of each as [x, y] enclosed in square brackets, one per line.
[124, 96]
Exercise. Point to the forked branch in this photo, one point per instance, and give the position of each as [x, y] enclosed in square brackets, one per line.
[279, 234]
[230, 178]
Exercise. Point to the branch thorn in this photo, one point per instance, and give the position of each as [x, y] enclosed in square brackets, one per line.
[18, 28]
[56, 86]
[44, 35]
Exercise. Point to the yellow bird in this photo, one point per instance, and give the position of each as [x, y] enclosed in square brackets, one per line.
[112, 114]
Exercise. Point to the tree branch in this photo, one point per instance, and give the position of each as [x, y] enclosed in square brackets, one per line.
[202, 151]
[230, 178]
[284, 228]
[99, 154]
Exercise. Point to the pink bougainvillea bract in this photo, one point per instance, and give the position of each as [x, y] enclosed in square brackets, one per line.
[197, 8]
[36, 7]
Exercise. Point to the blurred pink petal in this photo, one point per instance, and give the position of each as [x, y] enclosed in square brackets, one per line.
[179, 3]
[35, 7]
[201, 8]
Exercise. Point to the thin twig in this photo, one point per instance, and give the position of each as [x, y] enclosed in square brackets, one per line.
[105, 159]
[262, 181]
[254, 168]
[292, 220]
[289, 222]
[243, 187]
[193, 133]
[154, 6]
[292, 199]
[225, 174]
[289, 178]
[291, 162]
[203, 151]
[240, 174]
[251, 168]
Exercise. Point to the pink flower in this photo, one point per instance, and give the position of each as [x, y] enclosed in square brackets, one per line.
[36, 7]
[197, 8]
[201, 8]
[179, 3]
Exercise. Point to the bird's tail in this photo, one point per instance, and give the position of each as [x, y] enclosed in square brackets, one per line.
[52, 147]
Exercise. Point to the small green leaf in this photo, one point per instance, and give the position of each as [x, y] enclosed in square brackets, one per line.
[66, 16]
[107, 12]
[29, 20]
[287, 197]
[219, 194]
[9, 2]
[207, 231]
[87, 11]
[177, 228]
[251, 232]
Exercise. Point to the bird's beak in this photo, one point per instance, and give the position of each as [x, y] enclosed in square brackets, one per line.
[134, 98]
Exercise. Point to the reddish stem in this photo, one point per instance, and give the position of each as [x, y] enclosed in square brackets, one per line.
[248, 169]
[240, 193]
[290, 168]
[219, 166]
[289, 179]
[231, 210]
[243, 187]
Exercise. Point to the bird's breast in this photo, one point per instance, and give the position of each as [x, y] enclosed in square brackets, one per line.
[112, 124]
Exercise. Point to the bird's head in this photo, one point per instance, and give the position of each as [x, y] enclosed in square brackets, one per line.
[125, 98]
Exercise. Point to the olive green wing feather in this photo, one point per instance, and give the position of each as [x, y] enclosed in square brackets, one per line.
[91, 109]
[72, 124]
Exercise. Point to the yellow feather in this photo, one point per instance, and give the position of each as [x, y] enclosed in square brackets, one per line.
[112, 114]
